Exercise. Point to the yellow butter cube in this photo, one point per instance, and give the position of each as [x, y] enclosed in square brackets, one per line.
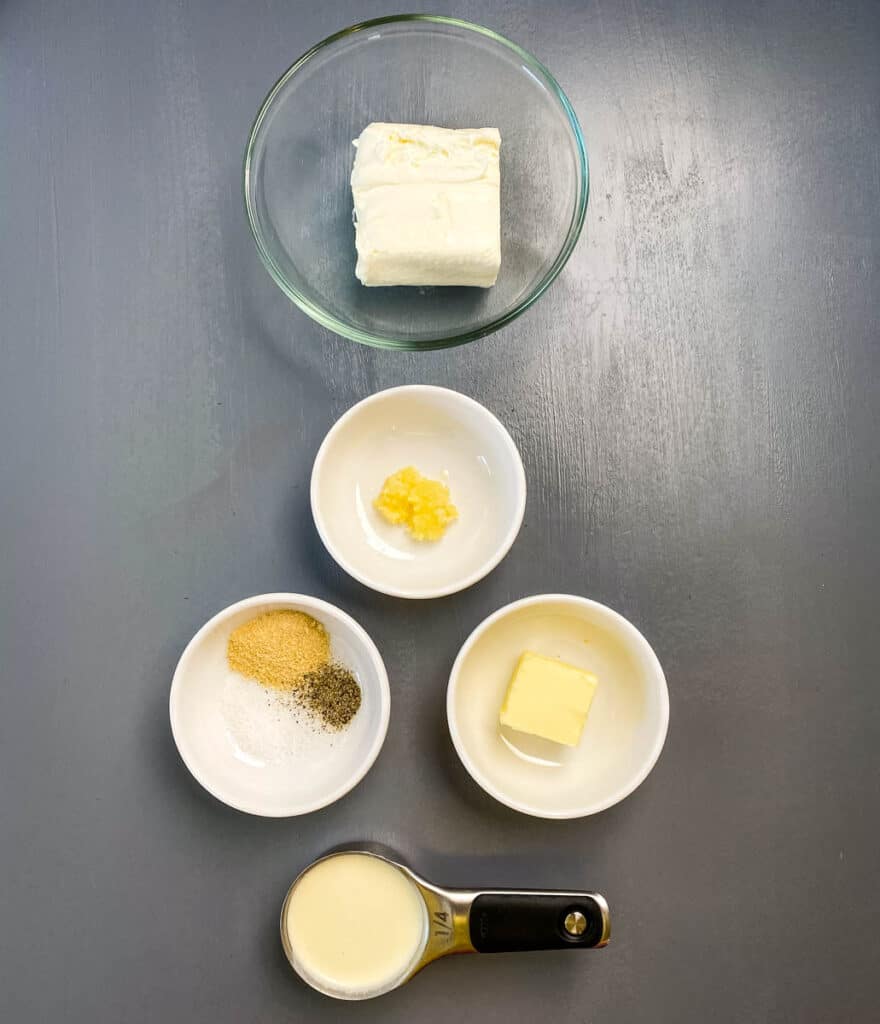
[548, 698]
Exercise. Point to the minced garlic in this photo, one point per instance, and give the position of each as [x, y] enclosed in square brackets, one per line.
[416, 502]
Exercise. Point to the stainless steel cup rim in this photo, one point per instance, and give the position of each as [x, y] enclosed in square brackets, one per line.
[416, 964]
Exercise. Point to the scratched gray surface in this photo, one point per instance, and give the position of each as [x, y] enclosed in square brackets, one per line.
[696, 400]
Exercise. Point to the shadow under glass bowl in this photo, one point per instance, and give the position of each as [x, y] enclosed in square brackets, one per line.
[411, 69]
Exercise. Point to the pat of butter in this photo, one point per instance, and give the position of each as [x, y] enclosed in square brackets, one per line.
[427, 205]
[548, 698]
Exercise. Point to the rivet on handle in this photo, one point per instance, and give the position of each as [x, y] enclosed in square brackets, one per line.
[575, 923]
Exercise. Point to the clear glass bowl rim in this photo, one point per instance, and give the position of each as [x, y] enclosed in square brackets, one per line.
[327, 319]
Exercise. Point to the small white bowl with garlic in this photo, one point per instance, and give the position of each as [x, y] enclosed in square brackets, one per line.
[447, 436]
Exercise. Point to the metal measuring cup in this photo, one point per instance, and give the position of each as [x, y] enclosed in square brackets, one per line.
[477, 921]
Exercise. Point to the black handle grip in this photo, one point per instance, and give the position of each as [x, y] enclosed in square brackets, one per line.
[517, 921]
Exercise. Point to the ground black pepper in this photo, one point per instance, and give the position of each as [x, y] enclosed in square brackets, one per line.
[332, 694]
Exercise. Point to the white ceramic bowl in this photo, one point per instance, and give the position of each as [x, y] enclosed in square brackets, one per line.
[625, 730]
[243, 743]
[445, 435]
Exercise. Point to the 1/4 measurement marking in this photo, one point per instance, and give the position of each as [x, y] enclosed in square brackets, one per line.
[442, 927]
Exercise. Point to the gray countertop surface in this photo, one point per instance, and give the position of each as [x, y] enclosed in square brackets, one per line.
[696, 400]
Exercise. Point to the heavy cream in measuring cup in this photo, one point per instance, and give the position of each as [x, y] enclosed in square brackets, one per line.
[355, 924]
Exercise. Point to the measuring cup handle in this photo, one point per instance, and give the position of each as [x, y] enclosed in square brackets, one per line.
[518, 921]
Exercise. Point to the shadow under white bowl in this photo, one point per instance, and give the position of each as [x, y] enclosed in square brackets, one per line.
[445, 435]
[625, 730]
[245, 744]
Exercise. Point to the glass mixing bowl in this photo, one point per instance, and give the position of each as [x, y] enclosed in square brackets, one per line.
[411, 69]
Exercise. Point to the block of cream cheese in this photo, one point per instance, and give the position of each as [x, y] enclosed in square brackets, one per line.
[427, 205]
[548, 698]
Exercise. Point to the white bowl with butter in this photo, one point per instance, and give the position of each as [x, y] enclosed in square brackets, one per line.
[624, 730]
[446, 436]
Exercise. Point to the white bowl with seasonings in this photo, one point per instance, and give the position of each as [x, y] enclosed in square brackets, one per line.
[447, 437]
[254, 747]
